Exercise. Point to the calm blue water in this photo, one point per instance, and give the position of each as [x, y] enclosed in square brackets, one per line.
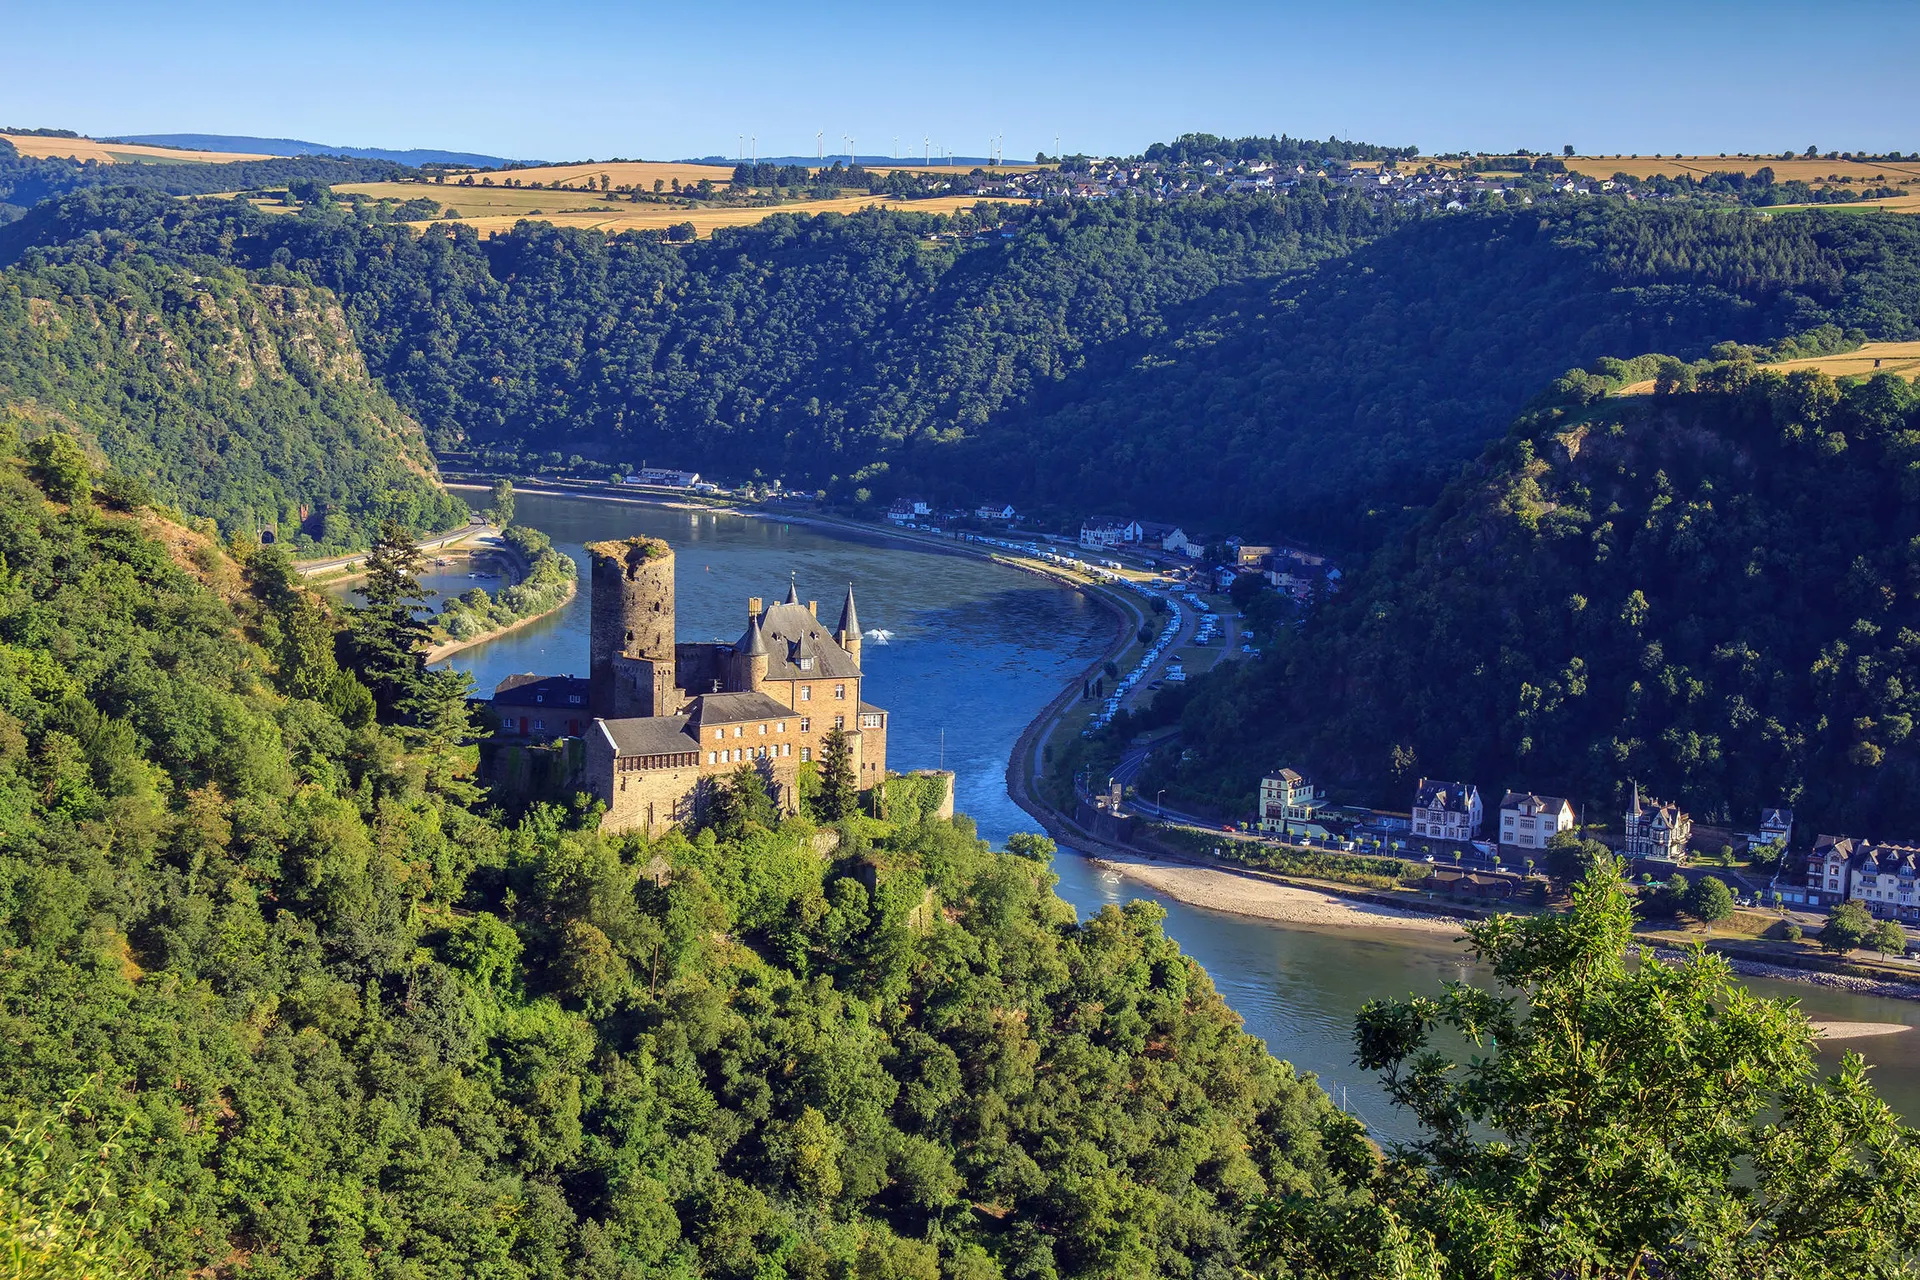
[976, 650]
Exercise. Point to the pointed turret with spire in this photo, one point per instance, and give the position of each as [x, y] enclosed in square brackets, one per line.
[752, 651]
[847, 634]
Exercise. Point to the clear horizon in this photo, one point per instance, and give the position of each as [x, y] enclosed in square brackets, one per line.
[590, 78]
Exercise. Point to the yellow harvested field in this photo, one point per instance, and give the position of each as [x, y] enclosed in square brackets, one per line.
[644, 173]
[35, 147]
[1901, 358]
[623, 173]
[1863, 172]
[498, 208]
[1898, 204]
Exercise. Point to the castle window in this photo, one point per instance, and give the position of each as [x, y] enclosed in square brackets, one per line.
[839, 691]
[806, 693]
[839, 722]
[806, 754]
[713, 757]
[806, 664]
[739, 731]
[763, 731]
[539, 724]
[806, 724]
[507, 723]
[869, 721]
[781, 727]
[719, 733]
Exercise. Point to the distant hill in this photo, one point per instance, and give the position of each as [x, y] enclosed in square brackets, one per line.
[294, 147]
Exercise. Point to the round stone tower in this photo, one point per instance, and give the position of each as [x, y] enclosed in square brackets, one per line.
[632, 619]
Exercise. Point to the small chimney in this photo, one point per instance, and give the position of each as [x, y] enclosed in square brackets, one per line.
[753, 605]
[813, 608]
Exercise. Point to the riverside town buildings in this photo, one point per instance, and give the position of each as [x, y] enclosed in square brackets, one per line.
[1528, 821]
[1447, 810]
[1656, 830]
[665, 721]
[1880, 877]
[1288, 801]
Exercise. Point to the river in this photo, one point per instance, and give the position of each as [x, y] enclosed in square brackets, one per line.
[975, 650]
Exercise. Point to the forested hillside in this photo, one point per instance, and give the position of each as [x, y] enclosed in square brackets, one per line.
[1309, 364]
[1715, 592]
[1322, 402]
[332, 1016]
[818, 348]
[231, 398]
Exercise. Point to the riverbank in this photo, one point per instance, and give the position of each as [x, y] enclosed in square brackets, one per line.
[447, 648]
[1269, 900]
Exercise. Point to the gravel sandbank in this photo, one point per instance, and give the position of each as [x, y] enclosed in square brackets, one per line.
[1265, 900]
[1830, 1030]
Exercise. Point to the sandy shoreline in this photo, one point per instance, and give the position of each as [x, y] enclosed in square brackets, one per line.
[1265, 900]
[1827, 1029]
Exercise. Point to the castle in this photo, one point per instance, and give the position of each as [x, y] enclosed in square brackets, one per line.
[669, 719]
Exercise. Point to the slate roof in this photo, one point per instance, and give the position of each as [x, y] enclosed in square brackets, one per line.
[529, 690]
[732, 708]
[648, 735]
[1450, 797]
[1552, 804]
[792, 634]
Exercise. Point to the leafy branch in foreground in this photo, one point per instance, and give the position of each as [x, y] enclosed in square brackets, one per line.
[61, 1219]
[1623, 1118]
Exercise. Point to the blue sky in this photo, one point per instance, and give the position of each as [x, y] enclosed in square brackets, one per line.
[579, 78]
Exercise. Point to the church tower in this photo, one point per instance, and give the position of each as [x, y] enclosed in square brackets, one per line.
[847, 634]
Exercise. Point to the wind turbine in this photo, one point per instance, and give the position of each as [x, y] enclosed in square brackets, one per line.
[926, 144]
[753, 141]
[740, 146]
[819, 147]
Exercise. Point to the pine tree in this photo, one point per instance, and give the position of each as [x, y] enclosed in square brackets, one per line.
[387, 633]
[838, 796]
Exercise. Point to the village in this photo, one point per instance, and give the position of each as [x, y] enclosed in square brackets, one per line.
[1485, 854]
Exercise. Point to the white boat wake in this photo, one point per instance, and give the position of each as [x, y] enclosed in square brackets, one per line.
[879, 636]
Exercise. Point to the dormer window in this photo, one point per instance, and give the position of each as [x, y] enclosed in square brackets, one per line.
[574, 698]
[539, 697]
[806, 664]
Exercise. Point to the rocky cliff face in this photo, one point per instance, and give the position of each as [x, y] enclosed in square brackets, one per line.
[242, 402]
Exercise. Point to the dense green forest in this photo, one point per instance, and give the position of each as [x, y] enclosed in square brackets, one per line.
[26, 181]
[1714, 591]
[232, 398]
[1307, 364]
[1331, 401]
[334, 1015]
[814, 347]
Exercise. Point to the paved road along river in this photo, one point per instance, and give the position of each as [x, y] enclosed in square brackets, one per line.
[974, 651]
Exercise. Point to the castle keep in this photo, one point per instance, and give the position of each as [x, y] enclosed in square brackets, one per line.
[668, 719]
